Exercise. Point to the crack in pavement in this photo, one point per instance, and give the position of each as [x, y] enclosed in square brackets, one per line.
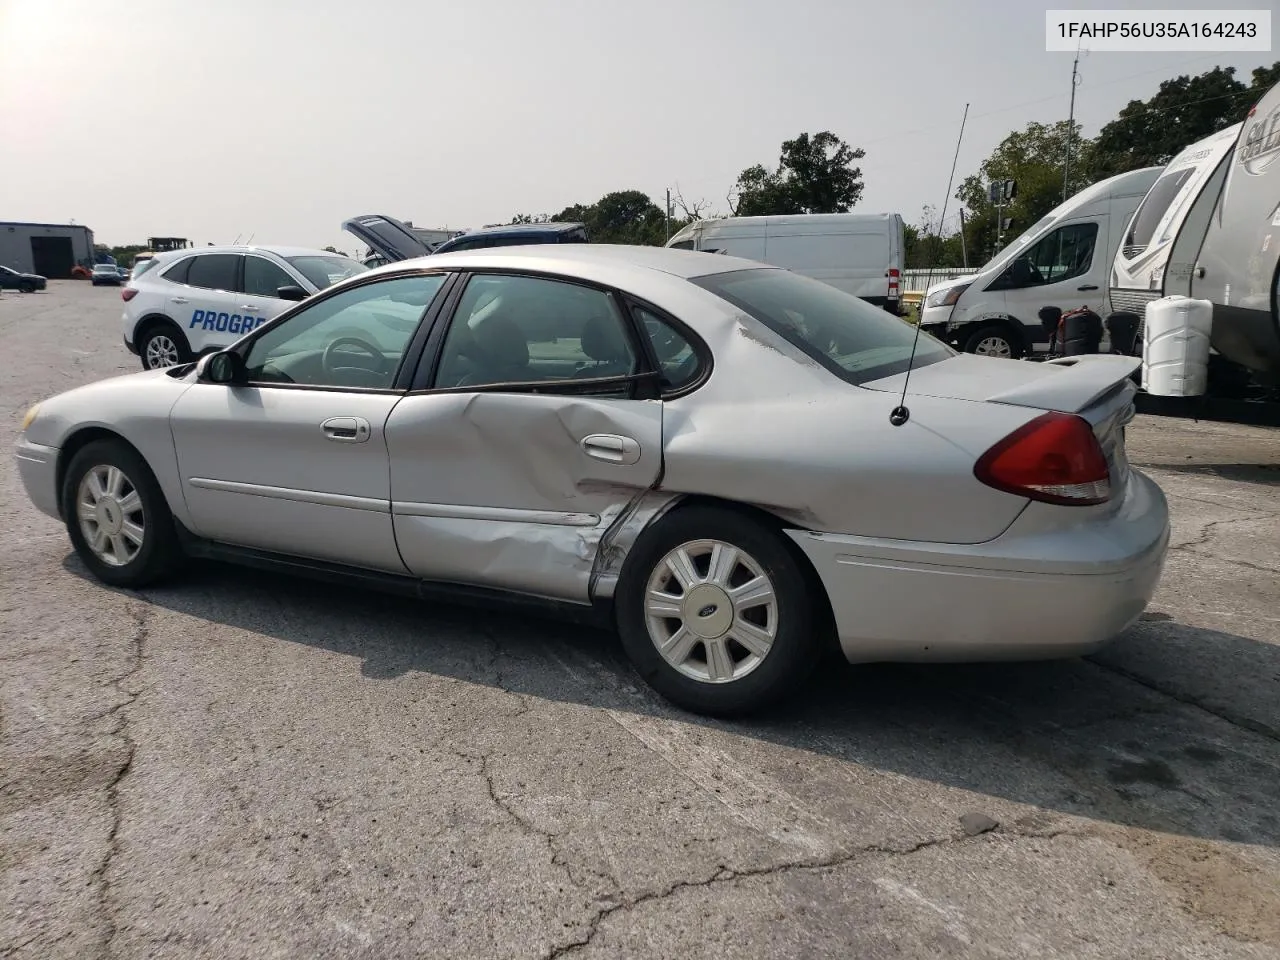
[141, 614]
[1243, 722]
[725, 875]
[1210, 530]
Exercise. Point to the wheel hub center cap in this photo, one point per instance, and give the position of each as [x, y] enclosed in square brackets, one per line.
[707, 611]
[110, 516]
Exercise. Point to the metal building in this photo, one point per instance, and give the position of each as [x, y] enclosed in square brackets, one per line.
[49, 249]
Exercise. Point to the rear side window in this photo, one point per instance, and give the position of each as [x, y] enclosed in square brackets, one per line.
[175, 274]
[214, 271]
[1153, 208]
[677, 359]
[851, 338]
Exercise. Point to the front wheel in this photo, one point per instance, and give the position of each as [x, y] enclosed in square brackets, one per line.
[26, 288]
[117, 516]
[716, 614]
[994, 340]
[163, 346]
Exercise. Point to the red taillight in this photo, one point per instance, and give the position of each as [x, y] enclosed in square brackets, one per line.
[1055, 459]
[128, 294]
[894, 274]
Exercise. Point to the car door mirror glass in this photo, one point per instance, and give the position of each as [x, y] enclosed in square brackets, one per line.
[291, 292]
[225, 367]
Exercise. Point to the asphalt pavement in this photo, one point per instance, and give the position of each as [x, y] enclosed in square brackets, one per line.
[246, 765]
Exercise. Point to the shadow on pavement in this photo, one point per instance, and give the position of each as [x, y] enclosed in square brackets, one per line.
[1079, 736]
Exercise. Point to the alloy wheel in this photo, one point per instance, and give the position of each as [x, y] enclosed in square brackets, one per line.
[109, 509]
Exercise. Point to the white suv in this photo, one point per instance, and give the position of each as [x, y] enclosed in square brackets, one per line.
[198, 300]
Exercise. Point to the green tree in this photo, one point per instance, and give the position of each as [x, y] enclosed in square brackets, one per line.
[815, 174]
[624, 216]
[1185, 109]
[1034, 158]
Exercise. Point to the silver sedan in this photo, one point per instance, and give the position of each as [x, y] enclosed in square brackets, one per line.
[724, 460]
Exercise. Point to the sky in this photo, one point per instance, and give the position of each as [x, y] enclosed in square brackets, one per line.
[223, 120]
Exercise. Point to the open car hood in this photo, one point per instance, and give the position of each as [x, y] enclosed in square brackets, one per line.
[387, 237]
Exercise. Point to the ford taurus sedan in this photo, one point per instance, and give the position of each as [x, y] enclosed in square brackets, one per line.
[724, 460]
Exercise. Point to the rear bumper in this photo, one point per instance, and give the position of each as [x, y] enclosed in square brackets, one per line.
[38, 468]
[1019, 597]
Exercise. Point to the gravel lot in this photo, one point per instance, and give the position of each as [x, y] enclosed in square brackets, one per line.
[243, 765]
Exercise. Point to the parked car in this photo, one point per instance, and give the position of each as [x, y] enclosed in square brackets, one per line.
[858, 253]
[23, 282]
[1064, 260]
[199, 299]
[105, 273]
[392, 240]
[696, 449]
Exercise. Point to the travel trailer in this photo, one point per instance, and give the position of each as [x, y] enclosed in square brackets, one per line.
[861, 254]
[1183, 197]
[1234, 259]
[1064, 261]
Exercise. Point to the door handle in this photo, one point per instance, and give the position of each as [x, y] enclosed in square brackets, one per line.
[1199, 272]
[611, 448]
[247, 306]
[177, 299]
[346, 429]
[1088, 286]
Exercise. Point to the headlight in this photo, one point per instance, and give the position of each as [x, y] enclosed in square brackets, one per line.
[30, 417]
[945, 298]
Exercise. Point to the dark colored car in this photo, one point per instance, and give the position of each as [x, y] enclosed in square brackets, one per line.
[105, 273]
[25, 282]
[391, 240]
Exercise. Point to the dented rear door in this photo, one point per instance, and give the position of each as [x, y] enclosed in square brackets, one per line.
[514, 490]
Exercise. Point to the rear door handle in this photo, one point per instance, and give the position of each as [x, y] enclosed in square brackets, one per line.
[611, 448]
[177, 299]
[1088, 286]
[346, 429]
[247, 306]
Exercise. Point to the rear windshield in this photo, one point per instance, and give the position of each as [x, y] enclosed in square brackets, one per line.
[856, 341]
[1153, 209]
[326, 271]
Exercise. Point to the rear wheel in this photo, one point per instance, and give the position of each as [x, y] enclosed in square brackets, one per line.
[163, 345]
[117, 516]
[994, 340]
[716, 614]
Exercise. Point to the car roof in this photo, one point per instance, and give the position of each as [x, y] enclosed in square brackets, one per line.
[585, 259]
[249, 248]
[555, 227]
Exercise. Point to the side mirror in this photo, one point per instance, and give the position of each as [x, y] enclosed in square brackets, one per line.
[225, 367]
[291, 292]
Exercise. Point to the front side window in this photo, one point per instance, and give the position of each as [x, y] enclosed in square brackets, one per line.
[510, 329]
[355, 338]
[175, 274]
[262, 278]
[1064, 254]
[214, 271]
[853, 339]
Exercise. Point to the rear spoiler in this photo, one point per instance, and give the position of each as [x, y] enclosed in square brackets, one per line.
[1079, 383]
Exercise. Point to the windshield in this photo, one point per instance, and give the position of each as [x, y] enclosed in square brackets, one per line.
[856, 341]
[326, 271]
[1153, 209]
[1020, 241]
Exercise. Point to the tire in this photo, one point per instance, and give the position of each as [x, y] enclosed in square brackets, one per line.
[170, 346]
[120, 560]
[762, 680]
[984, 342]
[26, 288]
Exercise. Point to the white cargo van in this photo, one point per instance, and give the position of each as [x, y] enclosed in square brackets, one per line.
[1062, 261]
[1138, 274]
[1234, 260]
[861, 254]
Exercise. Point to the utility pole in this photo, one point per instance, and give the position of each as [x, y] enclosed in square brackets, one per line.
[964, 249]
[666, 220]
[1071, 126]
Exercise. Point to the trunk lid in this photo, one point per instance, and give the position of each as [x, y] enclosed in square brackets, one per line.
[387, 237]
[1096, 387]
